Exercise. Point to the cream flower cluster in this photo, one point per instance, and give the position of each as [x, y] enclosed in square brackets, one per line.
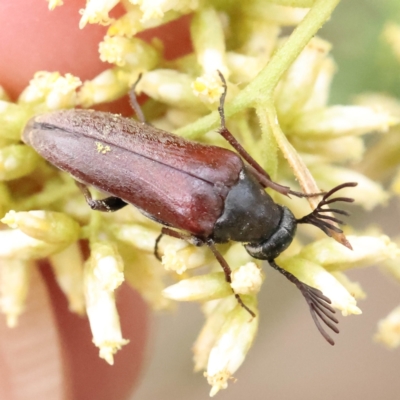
[277, 105]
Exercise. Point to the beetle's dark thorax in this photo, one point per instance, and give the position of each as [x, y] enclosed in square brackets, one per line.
[250, 214]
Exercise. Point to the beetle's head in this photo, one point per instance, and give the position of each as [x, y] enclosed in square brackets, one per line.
[270, 248]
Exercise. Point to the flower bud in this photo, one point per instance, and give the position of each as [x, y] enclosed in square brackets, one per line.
[96, 12]
[231, 346]
[156, 9]
[130, 23]
[171, 87]
[51, 89]
[209, 41]
[337, 121]
[247, 279]
[13, 118]
[367, 193]
[199, 288]
[17, 161]
[367, 250]
[68, 270]
[296, 86]
[215, 318]
[48, 226]
[14, 286]
[146, 274]
[54, 3]
[180, 256]
[275, 13]
[208, 88]
[140, 236]
[389, 330]
[102, 275]
[354, 288]
[132, 53]
[109, 85]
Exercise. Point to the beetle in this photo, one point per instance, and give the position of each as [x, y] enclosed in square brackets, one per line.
[200, 193]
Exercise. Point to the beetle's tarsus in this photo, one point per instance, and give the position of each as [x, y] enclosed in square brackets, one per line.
[109, 204]
[156, 243]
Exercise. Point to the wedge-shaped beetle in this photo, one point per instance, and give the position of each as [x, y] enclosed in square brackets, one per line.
[200, 193]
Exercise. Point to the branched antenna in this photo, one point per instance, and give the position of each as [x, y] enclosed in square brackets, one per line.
[319, 304]
[319, 219]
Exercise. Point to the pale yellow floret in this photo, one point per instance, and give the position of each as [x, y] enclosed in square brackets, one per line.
[180, 256]
[17, 245]
[319, 95]
[137, 235]
[215, 312]
[131, 23]
[243, 68]
[247, 279]
[338, 121]
[51, 90]
[48, 226]
[298, 82]
[209, 41]
[389, 330]
[231, 346]
[109, 85]
[55, 3]
[367, 193]
[170, 87]
[339, 150]
[208, 88]
[155, 9]
[132, 53]
[277, 14]
[13, 117]
[102, 275]
[14, 286]
[146, 274]
[16, 161]
[354, 288]
[38, 234]
[367, 250]
[96, 12]
[68, 270]
[199, 288]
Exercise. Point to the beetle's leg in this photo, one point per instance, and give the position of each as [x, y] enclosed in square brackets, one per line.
[210, 243]
[134, 103]
[228, 274]
[109, 204]
[194, 240]
[156, 253]
[318, 303]
[261, 175]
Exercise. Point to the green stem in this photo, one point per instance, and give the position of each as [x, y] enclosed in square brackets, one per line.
[262, 87]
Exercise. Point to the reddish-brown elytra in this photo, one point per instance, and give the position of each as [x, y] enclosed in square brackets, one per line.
[200, 193]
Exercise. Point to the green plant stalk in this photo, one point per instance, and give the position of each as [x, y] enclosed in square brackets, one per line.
[262, 87]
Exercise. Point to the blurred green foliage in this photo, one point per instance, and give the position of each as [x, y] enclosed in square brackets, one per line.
[365, 61]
